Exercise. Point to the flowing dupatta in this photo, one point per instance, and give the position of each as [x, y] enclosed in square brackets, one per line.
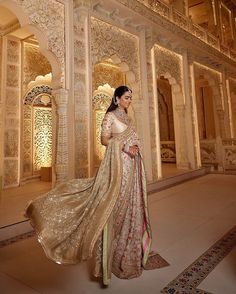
[70, 218]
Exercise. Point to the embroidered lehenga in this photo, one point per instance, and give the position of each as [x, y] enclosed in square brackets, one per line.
[105, 217]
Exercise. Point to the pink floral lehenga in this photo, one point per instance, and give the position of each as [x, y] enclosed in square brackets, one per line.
[105, 217]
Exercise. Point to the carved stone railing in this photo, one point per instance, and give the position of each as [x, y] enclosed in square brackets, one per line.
[168, 153]
[229, 154]
[208, 151]
[186, 23]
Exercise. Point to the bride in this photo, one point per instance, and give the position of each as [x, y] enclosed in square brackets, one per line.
[105, 217]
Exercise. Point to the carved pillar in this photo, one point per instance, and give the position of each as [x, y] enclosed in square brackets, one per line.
[191, 136]
[197, 153]
[181, 142]
[144, 108]
[153, 113]
[11, 97]
[82, 88]
[226, 98]
[61, 160]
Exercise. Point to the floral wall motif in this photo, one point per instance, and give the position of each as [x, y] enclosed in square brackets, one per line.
[168, 62]
[27, 140]
[107, 73]
[49, 16]
[80, 86]
[11, 143]
[42, 137]
[12, 113]
[34, 64]
[101, 102]
[103, 45]
[214, 79]
[10, 177]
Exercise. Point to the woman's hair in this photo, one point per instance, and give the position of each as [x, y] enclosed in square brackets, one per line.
[118, 93]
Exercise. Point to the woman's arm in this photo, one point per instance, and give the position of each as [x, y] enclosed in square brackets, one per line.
[105, 140]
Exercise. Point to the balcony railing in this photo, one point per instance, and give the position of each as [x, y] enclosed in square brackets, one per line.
[186, 23]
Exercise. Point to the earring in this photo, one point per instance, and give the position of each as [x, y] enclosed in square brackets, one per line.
[114, 100]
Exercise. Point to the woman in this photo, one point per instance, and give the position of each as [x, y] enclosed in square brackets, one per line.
[106, 216]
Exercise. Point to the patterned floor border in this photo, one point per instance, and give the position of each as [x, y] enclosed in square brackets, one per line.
[12, 240]
[191, 277]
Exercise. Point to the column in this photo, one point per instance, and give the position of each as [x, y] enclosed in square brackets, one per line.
[142, 110]
[60, 151]
[191, 135]
[82, 89]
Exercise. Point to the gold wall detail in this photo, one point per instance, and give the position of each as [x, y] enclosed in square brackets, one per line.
[34, 64]
[101, 101]
[42, 137]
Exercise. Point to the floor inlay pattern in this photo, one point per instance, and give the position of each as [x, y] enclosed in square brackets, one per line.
[191, 277]
[16, 239]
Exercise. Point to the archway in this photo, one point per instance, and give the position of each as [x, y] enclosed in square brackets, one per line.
[25, 55]
[210, 127]
[166, 123]
[108, 74]
[21, 43]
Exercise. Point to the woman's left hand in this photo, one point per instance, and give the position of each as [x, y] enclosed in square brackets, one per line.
[133, 150]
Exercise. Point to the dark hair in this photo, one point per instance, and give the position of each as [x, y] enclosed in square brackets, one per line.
[118, 93]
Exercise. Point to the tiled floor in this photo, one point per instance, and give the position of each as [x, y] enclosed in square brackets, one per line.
[186, 220]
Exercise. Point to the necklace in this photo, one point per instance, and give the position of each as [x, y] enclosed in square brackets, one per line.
[122, 115]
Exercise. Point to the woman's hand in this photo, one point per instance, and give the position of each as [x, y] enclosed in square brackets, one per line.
[133, 150]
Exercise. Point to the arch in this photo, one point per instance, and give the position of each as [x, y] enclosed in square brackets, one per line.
[41, 37]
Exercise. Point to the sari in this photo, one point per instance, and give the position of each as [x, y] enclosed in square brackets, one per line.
[105, 217]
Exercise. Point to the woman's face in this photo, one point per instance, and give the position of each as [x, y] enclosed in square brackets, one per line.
[125, 100]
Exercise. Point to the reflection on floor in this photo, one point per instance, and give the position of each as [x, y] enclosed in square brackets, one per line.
[14, 200]
[186, 220]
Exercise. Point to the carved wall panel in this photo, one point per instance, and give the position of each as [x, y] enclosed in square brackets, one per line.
[42, 137]
[80, 86]
[214, 79]
[103, 45]
[34, 64]
[49, 16]
[10, 177]
[11, 143]
[27, 140]
[168, 62]
[101, 102]
[107, 73]
[12, 113]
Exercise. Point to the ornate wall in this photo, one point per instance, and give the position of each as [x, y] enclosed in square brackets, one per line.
[170, 65]
[12, 112]
[34, 64]
[123, 53]
[214, 79]
[46, 19]
[107, 73]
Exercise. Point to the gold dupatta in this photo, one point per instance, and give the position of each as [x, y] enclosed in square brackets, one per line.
[70, 218]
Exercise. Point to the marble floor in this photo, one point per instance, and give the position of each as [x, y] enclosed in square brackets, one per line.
[14, 200]
[186, 220]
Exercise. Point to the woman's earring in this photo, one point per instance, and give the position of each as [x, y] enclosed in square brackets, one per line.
[115, 100]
